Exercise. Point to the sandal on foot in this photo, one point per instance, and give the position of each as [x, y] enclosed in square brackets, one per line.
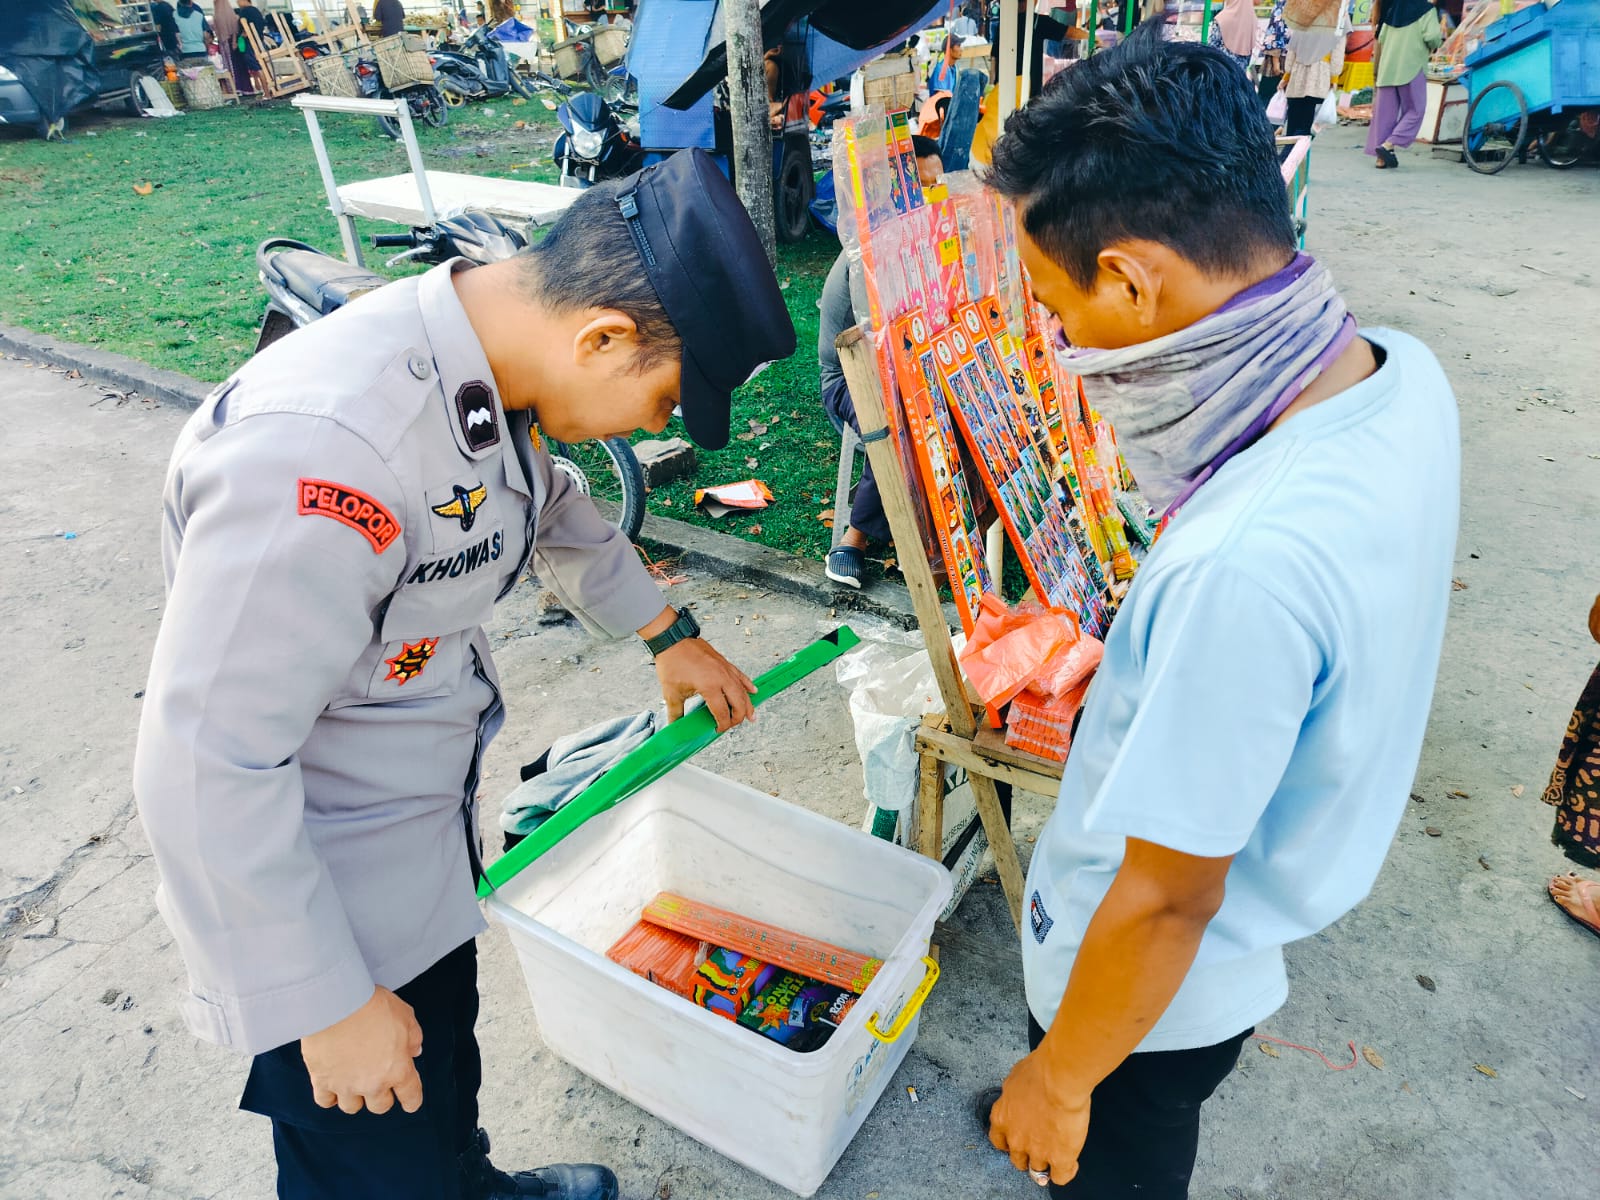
[1390, 158]
[1584, 898]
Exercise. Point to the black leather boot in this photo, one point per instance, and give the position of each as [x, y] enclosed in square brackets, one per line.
[481, 1180]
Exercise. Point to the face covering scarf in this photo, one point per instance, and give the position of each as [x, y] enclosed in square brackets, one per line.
[1184, 404]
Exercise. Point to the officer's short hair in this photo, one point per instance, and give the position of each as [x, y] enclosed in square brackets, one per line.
[589, 260]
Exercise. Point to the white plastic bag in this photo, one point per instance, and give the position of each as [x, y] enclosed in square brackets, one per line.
[889, 696]
[1328, 110]
[1278, 108]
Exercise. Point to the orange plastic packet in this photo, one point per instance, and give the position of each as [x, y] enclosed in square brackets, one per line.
[662, 956]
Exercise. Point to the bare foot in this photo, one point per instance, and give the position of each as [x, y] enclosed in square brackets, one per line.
[1578, 898]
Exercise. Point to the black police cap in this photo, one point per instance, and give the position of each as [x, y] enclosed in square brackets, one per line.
[705, 261]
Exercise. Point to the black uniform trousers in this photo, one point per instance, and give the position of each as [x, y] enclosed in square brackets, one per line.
[1144, 1122]
[326, 1154]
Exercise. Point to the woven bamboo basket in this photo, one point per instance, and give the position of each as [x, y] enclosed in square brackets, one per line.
[200, 87]
[332, 76]
[402, 61]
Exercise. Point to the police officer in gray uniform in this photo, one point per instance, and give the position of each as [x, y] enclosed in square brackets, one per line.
[340, 518]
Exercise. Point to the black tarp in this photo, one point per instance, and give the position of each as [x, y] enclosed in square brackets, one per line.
[44, 44]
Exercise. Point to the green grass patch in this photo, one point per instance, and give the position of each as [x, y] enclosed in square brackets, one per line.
[170, 278]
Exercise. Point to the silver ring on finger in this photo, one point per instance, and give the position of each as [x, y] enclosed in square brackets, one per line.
[1042, 1178]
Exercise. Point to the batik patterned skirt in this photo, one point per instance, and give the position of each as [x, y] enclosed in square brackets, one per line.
[1575, 783]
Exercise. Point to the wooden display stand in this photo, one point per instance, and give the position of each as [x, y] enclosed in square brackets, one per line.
[957, 737]
[283, 71]
[338, 27]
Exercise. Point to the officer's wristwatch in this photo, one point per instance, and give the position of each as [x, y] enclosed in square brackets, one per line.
[681, 630]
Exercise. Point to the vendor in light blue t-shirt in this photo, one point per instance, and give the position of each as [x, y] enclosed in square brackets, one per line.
[1249, 742]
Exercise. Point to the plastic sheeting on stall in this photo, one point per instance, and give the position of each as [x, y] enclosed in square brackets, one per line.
[44, 44]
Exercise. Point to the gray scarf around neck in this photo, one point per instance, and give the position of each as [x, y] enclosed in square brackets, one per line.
[1179, 402]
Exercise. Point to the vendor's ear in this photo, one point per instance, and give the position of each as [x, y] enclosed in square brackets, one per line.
[1132, 273]
[607, 339]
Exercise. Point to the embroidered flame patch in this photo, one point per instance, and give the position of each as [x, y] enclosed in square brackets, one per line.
[413, 657]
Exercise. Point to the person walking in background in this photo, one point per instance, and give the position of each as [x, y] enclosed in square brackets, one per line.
[1274, 47]
[244, 55]
[1315, 58]
[942, 75]
[391, 17]
[166, 27]
[1408, 32]
[1574, 789]
[194, 31]
[1233, 31]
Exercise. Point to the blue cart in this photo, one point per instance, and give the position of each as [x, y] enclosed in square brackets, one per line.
[1535, 82]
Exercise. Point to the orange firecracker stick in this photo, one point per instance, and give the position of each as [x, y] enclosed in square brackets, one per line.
[791, 951]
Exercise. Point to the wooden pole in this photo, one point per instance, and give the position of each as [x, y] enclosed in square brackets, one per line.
[752, 127]
[861, 375]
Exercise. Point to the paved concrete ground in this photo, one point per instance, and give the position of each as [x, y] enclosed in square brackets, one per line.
[103, 1094]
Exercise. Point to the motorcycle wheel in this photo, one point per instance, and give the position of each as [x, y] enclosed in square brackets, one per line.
[430, 106]
[792, 195]
[452, 98]
[389, 127]
[608, 473]
[1564, 146]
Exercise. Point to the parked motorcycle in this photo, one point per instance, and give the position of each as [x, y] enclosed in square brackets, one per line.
[479, 69]
[304, 284]
[424, 100]
[593, 145]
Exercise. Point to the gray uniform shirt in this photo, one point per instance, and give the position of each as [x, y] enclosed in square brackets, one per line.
[340, 518]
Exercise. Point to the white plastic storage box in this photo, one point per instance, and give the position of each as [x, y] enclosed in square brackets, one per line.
[785, 1115]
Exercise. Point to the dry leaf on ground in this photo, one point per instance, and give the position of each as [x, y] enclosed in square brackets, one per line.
[1268, 1049]
[1457, 585]
[1433, 831]
[1372, 1056]
[1518, 789]
[1428, 985]
[1459, 795]
[143, 189]
[1483, 1070]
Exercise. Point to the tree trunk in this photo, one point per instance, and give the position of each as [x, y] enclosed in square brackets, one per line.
[752, 129]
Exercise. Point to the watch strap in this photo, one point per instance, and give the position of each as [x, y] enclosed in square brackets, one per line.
[681, 630]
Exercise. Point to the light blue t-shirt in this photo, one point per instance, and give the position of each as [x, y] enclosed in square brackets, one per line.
[1264, 693]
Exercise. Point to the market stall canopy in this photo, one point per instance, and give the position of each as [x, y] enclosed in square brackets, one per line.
[45, 45]
[841, 36]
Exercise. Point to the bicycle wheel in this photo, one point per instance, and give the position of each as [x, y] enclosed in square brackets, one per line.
[1496, 132]
[1563, 147]
[609, 474]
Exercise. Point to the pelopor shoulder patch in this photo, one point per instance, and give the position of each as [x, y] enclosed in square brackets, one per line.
[320, 498]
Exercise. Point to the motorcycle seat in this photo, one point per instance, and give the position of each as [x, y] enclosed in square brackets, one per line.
[322, 281]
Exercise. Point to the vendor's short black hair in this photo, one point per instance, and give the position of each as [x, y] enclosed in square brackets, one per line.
[1157, 140]
[923, 147]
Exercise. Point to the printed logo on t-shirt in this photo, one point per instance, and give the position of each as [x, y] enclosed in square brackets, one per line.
[1039, 919]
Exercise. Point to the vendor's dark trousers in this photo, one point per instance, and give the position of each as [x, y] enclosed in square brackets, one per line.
[1302, 112]
[326, 1154]
[866, 510]
[1144, 1122]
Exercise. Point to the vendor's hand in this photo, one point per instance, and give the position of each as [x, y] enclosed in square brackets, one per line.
[693, 668]
[365, 1060]
[1594, 620]
[1040, 1124]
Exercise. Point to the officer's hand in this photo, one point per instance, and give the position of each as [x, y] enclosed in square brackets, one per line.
[693, 668]
[366, 1059]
